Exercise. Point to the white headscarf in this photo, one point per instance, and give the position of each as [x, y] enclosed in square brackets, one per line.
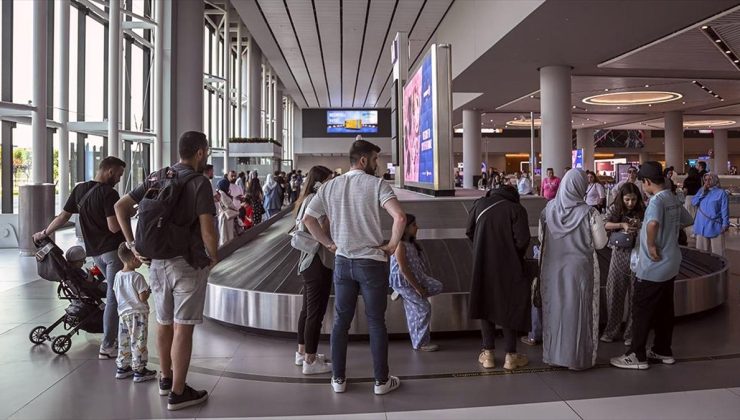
[269, 184]
[566, 212]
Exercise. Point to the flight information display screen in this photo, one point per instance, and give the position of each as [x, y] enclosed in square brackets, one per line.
[340, 121]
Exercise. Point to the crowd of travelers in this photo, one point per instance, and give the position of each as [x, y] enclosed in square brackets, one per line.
[183, 217]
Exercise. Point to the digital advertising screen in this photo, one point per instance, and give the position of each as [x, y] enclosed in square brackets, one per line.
[341, 121]
[577, 159]
[418, 125]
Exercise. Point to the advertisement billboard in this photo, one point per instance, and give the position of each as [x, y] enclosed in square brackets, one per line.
[418, 125]
[341, 121]
[577, 159]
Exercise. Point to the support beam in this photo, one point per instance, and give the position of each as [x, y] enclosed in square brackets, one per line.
[115, 53]
[555, 108]
[157, 162]
[720, 153]
[227, 88]
[62, 88]
[471, 147]
[674, 141]
[39, 150]
[585, 141]
[6, 87]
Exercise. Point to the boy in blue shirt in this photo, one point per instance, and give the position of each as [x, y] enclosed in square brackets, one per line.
[657, 268]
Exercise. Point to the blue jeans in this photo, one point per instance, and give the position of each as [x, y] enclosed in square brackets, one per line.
[110, 264]
[370, 278]
[536, 333]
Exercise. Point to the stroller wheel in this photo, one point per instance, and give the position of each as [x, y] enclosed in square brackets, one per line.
[37, 335]
[61, 344]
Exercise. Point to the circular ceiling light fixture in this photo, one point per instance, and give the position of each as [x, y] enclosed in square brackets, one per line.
[707, 123]
[525, 122]
[632, 98]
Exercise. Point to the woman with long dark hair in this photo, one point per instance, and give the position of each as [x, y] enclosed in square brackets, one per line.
[254, 192]
[316, 272]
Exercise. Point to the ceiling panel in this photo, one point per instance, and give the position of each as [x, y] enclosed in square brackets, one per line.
[353, 18]
[277, 18]
[379, 19]
[301, 11]
[327, 12]
[406, 14]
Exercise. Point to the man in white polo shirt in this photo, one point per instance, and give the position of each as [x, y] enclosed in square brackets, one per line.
[352, 204]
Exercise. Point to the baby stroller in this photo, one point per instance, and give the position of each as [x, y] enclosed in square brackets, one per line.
[85, 311]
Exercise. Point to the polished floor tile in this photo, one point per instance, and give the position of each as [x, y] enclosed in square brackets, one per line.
[549, 410]
[689, 405]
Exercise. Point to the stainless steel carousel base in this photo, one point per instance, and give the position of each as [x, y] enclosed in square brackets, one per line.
[279, 311]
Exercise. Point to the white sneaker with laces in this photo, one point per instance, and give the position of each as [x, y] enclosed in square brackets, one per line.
[318, 366]
[300, 357]
[390, 385]
[395, 295]
[666, 360]
[339, 385]
[629, 361]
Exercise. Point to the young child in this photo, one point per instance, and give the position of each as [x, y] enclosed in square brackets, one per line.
[246, 213]
[409, 279]
[625, 214]
[75, 257]
[132, 293]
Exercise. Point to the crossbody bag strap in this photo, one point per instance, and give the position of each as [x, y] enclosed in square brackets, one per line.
[717, 220]
[87, 195]
[488, 208]
[301, 212]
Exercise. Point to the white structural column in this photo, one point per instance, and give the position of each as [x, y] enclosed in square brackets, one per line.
[238, 79]
[471, 147]
[644, 157]
[674, 140]
[40, 161]
[279, 116]
[187, 96]
[114, 78]
[555, 106]
[158, 161]
[255, 88]
[62, 88]
[227, 85]
[246, 92]
[720, 152]
[585, 141]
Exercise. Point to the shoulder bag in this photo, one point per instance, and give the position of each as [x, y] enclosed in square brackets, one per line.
[536, 293]
[300, 239]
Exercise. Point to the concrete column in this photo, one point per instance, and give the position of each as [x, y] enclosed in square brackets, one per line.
[245, 109]
[227, 87]
[62, 87]
[238, 81]
[644, 157]
[585, 141]
[115, 53]
[674, 140]
[555, 106]
[158, 160]
[279, 116]
[720, 152]
[471, 147]
[40, 155]
[255, 88]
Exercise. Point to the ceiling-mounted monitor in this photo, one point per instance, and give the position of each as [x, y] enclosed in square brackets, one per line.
[351, 121]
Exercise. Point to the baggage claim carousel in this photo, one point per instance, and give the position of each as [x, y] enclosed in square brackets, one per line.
[256, 285]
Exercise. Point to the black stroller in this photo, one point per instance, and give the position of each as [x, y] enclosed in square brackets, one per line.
[85, 311]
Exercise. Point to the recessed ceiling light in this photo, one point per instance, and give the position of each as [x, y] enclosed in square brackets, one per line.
[722, 100]
[707, 123]
[683, 103]
[647, 85]
[531, 96]
[526, 122]
[606, 90]
[718, 40]
[632, 98]
[705, 27]
[693, 81]
[736, 61]
[650, 104]
[574, 107]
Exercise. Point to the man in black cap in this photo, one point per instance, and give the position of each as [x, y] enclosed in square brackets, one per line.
[657, 267]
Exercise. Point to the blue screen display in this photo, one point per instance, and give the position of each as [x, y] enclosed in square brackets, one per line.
[351, 121]
[419, 125]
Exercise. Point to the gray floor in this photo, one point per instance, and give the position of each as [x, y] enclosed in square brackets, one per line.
[250, 376]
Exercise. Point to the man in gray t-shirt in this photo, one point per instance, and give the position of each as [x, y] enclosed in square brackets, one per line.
[352, 204]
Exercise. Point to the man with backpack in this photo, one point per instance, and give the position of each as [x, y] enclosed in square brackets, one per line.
[175, 231]
[94, 201]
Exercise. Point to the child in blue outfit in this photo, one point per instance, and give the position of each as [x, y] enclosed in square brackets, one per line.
[132, 293]
[410, 280]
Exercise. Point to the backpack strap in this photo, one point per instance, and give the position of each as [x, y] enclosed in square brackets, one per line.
[488, 208]
[87, 195]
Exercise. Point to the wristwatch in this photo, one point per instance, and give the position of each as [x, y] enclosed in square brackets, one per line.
[130, 245]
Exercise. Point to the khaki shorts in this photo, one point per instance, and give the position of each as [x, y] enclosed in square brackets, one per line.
[179, 291]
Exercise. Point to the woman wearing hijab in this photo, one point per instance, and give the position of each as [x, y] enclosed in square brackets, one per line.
[571, 231]
[712, 216]
[273, 196]
[228, 210]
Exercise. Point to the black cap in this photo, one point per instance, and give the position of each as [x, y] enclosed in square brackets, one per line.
[651, 170]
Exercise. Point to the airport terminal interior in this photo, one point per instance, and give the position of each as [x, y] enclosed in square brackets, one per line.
[461, 96]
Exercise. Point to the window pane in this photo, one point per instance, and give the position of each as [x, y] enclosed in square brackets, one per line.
[73, 39]
[137, 88]
[95, 77]
[22, 58]
[21, 159]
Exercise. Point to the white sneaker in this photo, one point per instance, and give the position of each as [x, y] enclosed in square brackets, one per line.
[666, 360]
[629, 361]
[107, 354]
[390, 385]
[300, 357]
[395, 295]
[338, 385]
[318, 366]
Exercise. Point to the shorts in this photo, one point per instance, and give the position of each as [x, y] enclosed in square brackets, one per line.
[179, 291]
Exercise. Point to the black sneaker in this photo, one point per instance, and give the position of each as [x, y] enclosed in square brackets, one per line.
[165, 386]
[123, 373]
[144, 374]
[188, 398]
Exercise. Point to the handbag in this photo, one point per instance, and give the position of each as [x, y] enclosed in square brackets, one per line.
[621, 240]
[300, 239]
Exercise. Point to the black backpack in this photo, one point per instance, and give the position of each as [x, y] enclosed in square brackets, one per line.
[157, 234]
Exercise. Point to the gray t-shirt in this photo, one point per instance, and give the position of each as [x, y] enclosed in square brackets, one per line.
[127, 287]
[352, 202]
